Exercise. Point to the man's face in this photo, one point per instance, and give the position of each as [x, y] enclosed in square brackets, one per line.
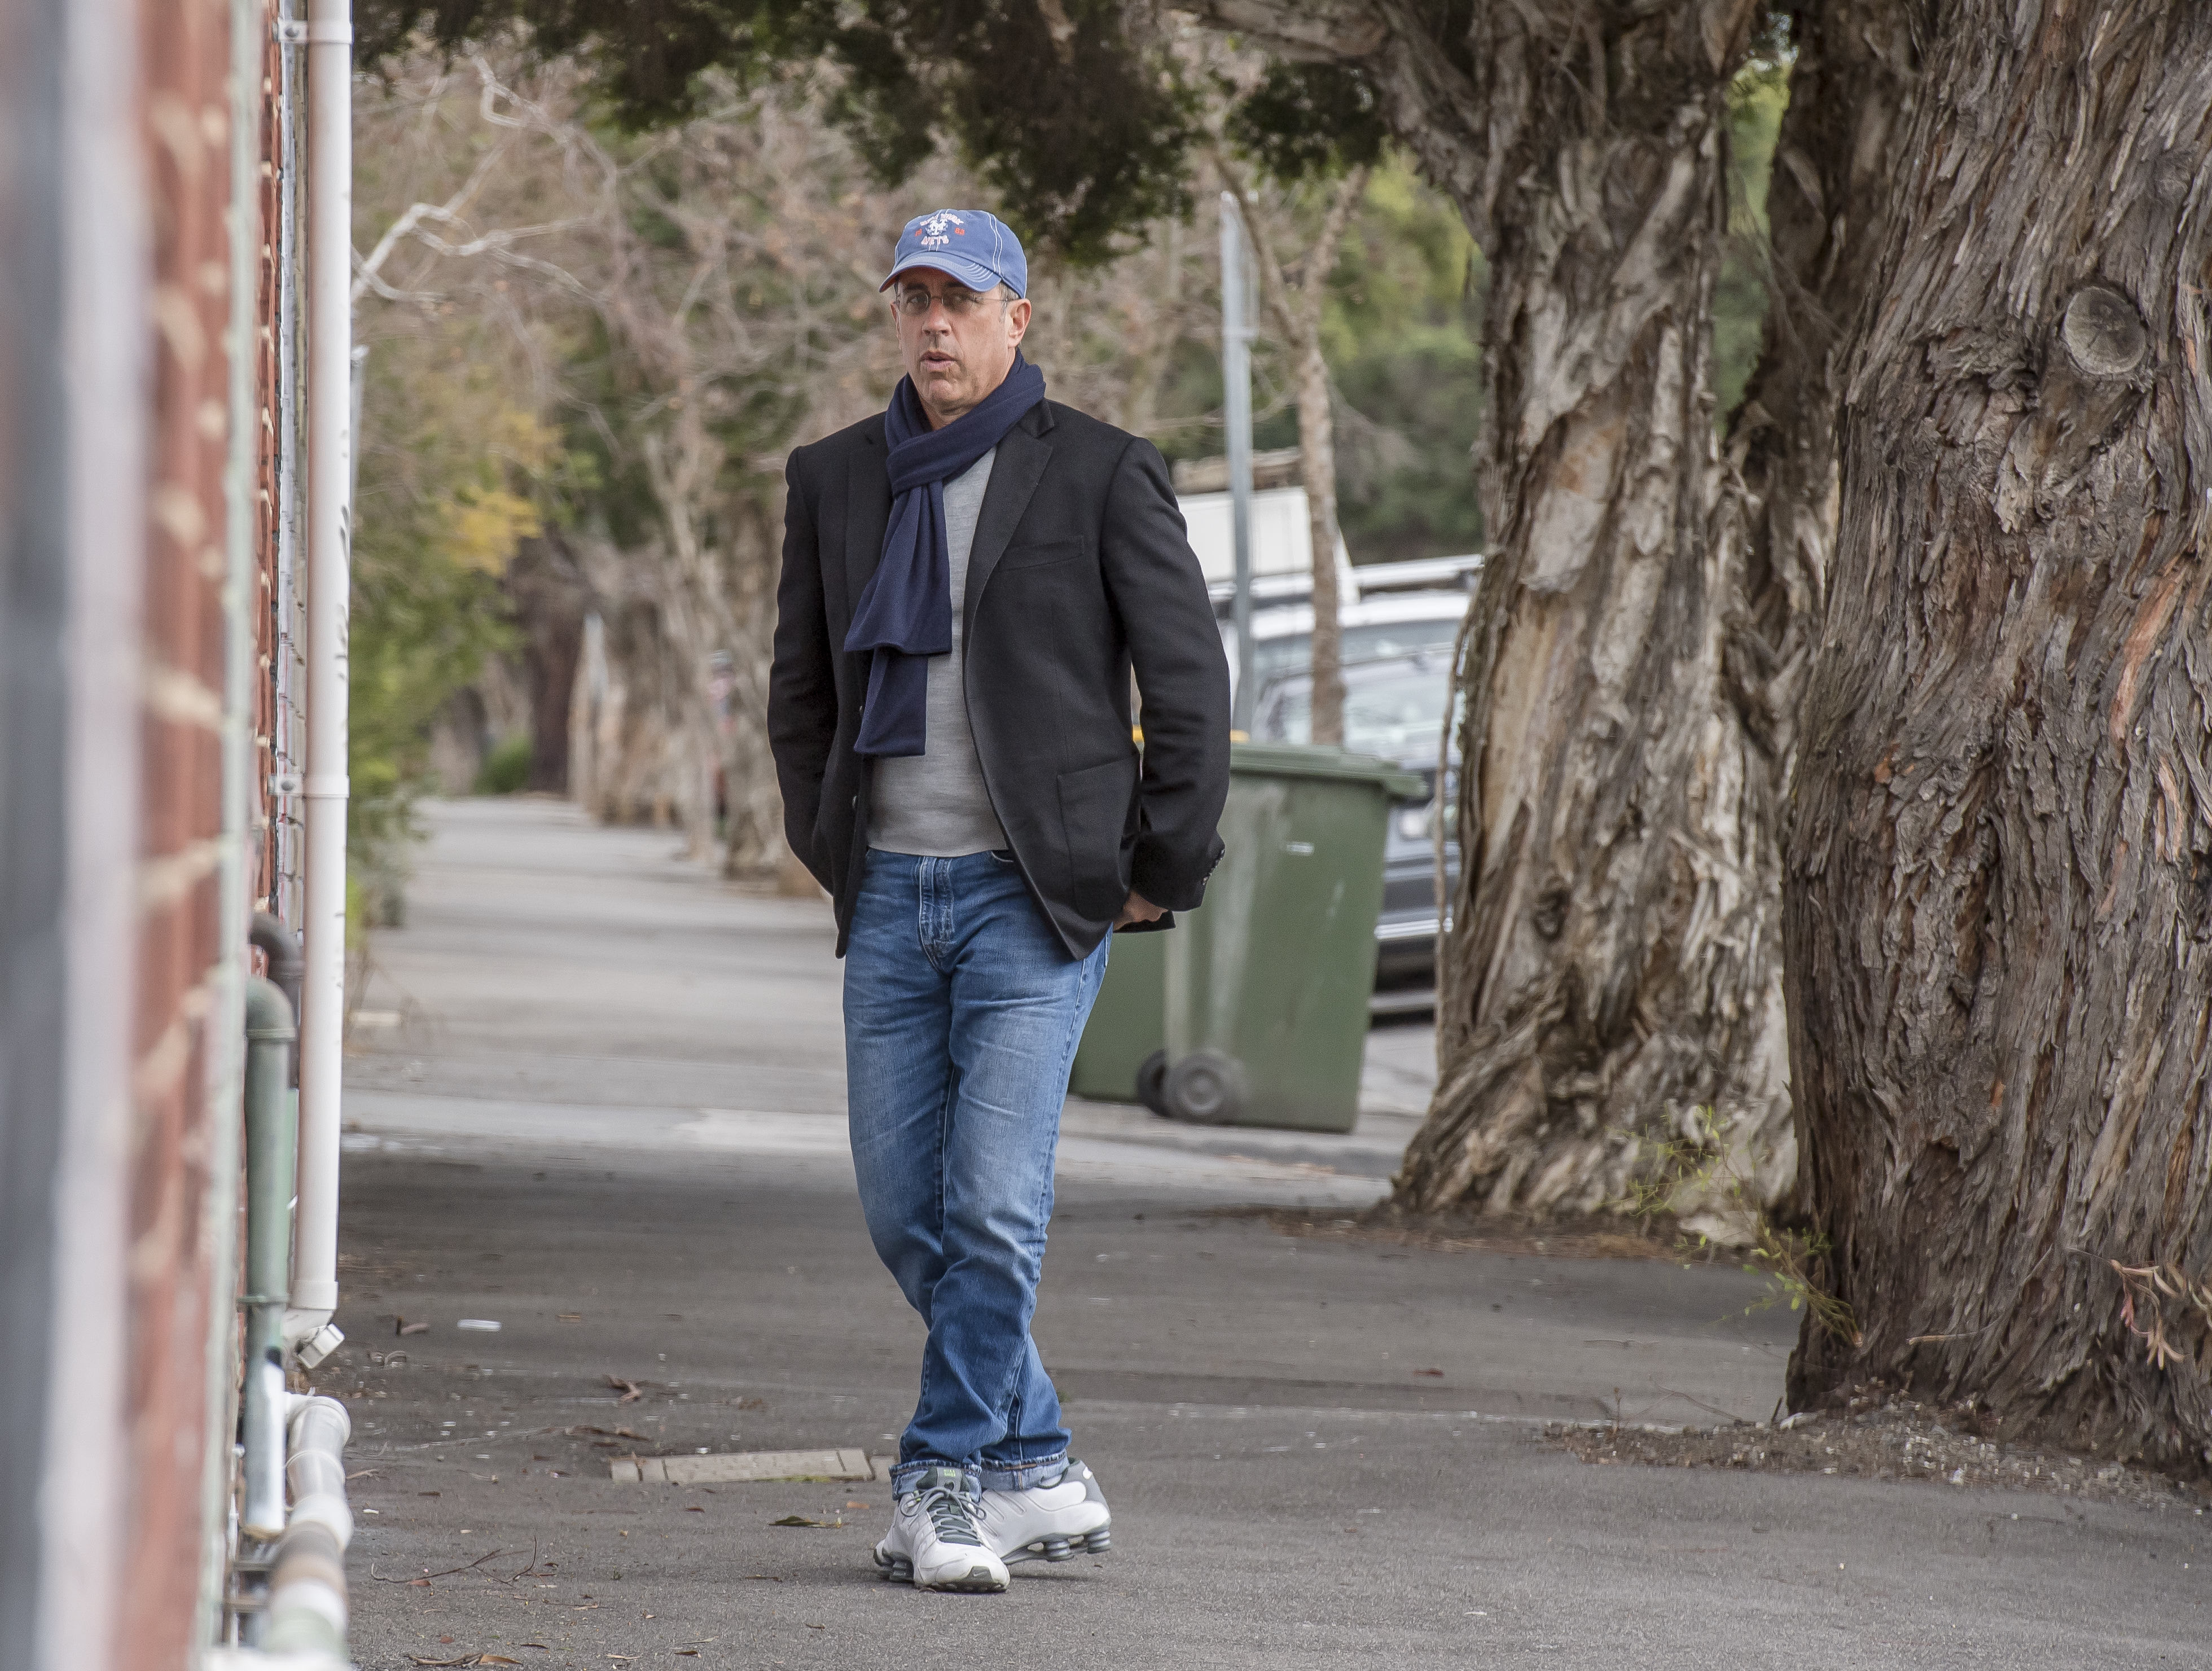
[958, 345]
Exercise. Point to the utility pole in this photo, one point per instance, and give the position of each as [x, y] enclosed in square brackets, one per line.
[1237, 312]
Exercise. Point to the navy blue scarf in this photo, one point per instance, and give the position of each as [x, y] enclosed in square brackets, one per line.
[905, 613]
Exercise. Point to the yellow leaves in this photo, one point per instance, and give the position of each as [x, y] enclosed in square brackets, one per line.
[480, 527]
[481, 520]
[472, 471]
[523, 438]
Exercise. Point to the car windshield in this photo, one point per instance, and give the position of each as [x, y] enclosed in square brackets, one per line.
[1397, 712]
[1379, 640]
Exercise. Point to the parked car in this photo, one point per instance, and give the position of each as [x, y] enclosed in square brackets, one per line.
[1372, 629]
[1395, 709]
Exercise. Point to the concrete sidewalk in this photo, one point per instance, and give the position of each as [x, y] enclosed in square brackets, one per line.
[606, 1112]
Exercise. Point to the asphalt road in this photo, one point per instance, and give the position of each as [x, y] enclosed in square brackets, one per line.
[599, 1101]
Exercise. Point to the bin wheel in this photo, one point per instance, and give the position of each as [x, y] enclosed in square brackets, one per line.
[1151, 1078]
[1206, 1088]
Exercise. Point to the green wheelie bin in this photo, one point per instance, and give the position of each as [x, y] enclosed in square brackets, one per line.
[1128, 1022]
[1267, 984]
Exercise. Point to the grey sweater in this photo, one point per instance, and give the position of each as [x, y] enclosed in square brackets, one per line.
[935, 803]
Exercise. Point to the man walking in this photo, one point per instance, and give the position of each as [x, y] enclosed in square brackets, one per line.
[968, 581]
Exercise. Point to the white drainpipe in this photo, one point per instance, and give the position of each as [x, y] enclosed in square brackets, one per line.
[329, 35]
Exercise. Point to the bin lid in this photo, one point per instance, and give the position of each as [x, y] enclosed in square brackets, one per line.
[1318, 760]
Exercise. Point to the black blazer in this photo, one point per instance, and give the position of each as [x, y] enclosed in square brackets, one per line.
[1081, 568]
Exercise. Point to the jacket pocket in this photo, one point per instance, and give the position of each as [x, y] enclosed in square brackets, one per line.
[1043, 552]
[1097, 813]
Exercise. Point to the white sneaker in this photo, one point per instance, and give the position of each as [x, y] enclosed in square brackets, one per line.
[934, 1541]
[1055, 1522]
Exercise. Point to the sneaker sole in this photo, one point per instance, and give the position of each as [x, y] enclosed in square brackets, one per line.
[1096, 1542]
[897, 1569]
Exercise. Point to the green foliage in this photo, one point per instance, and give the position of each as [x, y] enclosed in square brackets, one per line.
[1081, 126]
[1402, 331]
[1307, 120]
[506, 770]
[448, 470]
[647, 53]
[1700, 1169]
[1757, 98]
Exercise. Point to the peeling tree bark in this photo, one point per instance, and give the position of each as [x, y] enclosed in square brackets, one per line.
[1607, 975]
[1601, 981]
[1643, 635]
[1997, 897]
[1852, 83]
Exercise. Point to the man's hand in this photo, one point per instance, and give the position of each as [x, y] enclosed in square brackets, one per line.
[1138, 909]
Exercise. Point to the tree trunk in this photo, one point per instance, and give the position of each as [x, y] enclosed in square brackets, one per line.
[1851, 86]
[1997, 881]
[753, 844]
[718, 609]
[1607, 975]
[1297, 316]
[548, 595]
[1317, 458]
[1158, 333]
[1317, 470]
[1851, 89]
[1611, 966]
[681, 468]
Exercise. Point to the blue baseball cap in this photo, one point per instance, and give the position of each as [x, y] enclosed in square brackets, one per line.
[978, 249]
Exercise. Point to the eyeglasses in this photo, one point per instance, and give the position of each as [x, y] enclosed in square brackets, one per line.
[915, 302]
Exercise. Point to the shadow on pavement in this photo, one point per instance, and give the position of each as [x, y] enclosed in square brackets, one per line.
[607, 1116]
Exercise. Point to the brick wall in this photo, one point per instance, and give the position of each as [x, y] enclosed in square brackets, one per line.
[184, 48]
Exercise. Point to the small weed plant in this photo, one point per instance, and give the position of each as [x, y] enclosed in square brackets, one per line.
[1701, 1165]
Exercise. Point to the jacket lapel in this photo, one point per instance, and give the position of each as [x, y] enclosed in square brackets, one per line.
[867, 514]
[1024, 452]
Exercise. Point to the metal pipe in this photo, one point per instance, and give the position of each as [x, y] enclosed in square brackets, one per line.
[330, 365]
[261, 1516]
[282, 947]
[285, 738]
[270, 1169]
[306, 1578]
[1236, 331]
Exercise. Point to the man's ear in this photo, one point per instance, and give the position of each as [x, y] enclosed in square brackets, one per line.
[1018, 320]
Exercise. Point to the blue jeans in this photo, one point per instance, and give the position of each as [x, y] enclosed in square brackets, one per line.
[962, 1013]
